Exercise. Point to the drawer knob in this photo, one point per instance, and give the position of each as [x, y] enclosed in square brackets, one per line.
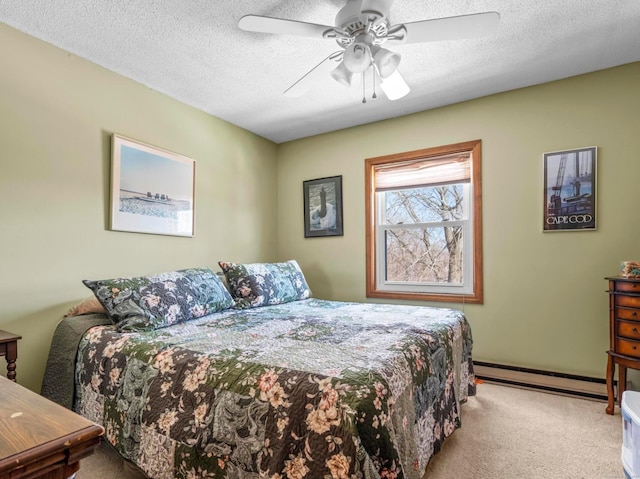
[634, 330]
[634, 314]
[633, 347]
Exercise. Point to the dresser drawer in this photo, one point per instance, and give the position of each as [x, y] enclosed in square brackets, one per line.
[628, 301]
[629, 329]
[627, 286]
[628, 347]
[628, 314]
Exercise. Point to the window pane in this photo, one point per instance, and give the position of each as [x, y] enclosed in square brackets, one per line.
[424, 205]
[430, 255]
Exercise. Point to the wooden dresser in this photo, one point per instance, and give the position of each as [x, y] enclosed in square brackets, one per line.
[624, 333]
[39, 438]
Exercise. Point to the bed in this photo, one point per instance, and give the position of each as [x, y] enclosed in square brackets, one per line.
[300, 388]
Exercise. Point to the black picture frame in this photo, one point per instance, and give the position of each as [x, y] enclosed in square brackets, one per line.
[323, 207]
[570, 190]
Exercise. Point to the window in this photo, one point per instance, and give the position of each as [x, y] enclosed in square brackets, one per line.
[424, 224]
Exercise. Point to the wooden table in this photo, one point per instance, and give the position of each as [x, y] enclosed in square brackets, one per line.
[9, 349]
[40, 439]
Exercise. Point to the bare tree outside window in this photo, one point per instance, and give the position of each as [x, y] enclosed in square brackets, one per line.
[424, 254]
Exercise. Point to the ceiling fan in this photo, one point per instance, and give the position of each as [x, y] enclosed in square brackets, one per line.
[362, 27]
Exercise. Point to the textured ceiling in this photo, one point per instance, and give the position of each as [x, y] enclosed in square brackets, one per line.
[192, 50]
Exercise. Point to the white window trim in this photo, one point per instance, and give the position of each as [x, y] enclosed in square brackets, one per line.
[466, 287]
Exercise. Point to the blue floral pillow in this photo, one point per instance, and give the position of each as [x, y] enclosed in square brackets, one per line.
[262, 284]
[157, 301]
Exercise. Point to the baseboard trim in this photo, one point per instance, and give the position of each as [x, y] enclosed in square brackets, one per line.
[548, 381]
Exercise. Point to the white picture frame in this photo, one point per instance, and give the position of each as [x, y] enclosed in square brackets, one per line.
[152, 189]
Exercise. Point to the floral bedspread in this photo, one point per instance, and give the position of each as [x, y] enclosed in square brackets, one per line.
[307, 389]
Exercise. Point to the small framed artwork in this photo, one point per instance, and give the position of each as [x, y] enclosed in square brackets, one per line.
[152, 190]
[570, 190]
[323, 207]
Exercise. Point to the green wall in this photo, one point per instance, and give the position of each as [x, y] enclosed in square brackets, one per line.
[57, 114]
[545, 304]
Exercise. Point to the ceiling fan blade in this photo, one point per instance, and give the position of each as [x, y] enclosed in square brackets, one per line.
[318, 73]
[281, 26]
[452, 28]
[394, 86]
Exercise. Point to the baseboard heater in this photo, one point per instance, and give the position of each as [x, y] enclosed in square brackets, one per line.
[553, 382]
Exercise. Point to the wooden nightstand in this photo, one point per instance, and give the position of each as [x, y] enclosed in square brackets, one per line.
[9, 349]
[39, 438]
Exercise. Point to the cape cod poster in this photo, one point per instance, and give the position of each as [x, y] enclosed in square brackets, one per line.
[570, 190]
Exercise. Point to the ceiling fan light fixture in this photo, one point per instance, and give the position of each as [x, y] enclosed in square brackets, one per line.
[394, 86]
[386, 62]
[342, 75]
[357, 57]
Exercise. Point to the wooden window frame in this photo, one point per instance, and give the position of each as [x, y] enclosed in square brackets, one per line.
[475, 147]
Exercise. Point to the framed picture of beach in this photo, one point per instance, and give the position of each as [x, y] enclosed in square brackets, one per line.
[152, 190]
[323, 207]
[570, 190]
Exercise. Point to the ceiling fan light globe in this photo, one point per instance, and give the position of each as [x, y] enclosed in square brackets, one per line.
[342, 75]
[394, 86]
[357, 57]
[386, 62]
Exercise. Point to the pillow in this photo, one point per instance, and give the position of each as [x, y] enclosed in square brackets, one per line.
[157, 301]
[261, 284]
[88, 306]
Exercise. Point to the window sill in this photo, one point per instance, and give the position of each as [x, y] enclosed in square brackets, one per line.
[447, 298]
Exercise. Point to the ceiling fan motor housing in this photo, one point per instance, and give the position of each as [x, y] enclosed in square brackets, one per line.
[353, 8]
[356, 16]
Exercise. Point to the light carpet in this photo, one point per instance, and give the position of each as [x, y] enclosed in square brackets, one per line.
[507, 433]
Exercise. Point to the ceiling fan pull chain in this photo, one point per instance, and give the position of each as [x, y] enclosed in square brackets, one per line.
[364, 94]
[373, 71]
